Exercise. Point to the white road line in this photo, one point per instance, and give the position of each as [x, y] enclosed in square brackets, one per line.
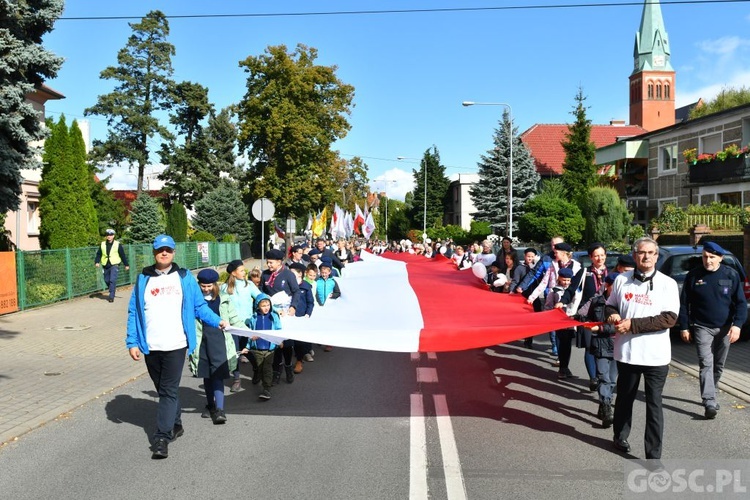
[415, 356]
[427, 375]
[454, 479]
[431, 355]
[418, 450]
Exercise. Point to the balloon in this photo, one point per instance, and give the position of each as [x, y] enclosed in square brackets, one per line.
[479, 270]
[500, 281]
[443, 249]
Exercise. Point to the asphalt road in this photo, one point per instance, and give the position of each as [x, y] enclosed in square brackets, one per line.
[497, 424]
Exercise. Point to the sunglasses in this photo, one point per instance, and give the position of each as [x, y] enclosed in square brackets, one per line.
[165, 249]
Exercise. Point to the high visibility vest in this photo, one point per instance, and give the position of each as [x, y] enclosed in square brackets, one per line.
[114, 253]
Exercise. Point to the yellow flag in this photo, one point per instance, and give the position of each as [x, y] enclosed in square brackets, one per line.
[319, 224]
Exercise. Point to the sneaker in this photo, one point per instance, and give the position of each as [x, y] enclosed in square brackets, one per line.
[298, 367]
[311, 353]
[265, 395]
[177, 431]
[161, 449]
[219, 417]
[236, 386]
[208, 411]
[710, 412]
[308, 358]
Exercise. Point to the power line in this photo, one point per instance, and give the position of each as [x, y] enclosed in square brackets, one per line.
[406, 11]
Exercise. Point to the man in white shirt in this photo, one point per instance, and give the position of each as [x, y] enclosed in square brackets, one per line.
[164, 305]
[643, 306]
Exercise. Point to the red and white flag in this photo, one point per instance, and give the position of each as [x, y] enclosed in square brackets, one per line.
[369, 227]
[409, 303]
[359, 220]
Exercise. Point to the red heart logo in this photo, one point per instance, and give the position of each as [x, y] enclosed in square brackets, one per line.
[628, 296]
[154, 292]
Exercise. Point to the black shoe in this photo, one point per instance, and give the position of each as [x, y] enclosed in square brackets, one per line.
[219, 417]
[289, 374]
[177, 431]
[208, 411]
[608, 416]
[161, 449]
[265, 395]
[276, 378]
[110, 300]
[622, 445]
[600, 412]
[593, 384]
[256, 376]
[710, 412]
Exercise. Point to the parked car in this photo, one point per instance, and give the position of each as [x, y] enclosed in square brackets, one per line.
[678, 260]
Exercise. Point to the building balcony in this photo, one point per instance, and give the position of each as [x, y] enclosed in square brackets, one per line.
[718, 172]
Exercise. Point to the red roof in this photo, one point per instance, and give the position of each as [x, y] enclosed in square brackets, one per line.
[544, 141]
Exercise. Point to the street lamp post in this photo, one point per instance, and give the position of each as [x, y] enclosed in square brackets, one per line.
[424, 220]
[510, 169]
[385, 188]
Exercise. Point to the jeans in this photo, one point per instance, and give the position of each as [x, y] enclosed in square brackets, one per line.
[590, 362]
[606, 374]
[628, 379]
[110, 279]
[165, 370]
[712, 345]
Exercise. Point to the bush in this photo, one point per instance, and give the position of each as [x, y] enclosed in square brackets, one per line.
[202, 236]
[44, 293]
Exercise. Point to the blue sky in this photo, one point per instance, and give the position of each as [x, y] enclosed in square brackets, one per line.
[411, 71]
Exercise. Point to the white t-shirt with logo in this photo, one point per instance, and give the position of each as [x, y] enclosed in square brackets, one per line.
[640, 300]
[163, 312]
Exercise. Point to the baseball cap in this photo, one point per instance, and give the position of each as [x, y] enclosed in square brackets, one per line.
[163, 240]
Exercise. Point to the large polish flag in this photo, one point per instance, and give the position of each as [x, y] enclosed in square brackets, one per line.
[410, 303]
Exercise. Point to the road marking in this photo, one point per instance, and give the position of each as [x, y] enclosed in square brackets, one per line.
[417, 450]
[427, 375]
[415, 356]
[431, 355]
[454, 479]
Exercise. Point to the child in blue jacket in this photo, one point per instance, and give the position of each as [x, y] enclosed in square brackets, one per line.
[264, 318]
[325, 286]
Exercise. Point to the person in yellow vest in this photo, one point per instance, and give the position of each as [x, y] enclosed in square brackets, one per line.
[109, 256]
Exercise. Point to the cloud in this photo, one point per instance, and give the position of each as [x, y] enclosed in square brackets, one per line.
[710, 91]
[395, 182]
[123, 178]
[724, 46]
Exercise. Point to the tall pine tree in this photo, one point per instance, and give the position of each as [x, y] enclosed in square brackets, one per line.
[436, 194]
[490, 194]
[146, 220]
[24, 66]
[579, 171]
[66, 209]
[144, 87]
[222, 212]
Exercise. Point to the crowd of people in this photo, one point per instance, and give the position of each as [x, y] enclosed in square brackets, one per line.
[628, 311]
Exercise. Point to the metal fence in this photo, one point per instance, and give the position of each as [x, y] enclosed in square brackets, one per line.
[46, 276]
[716, 221]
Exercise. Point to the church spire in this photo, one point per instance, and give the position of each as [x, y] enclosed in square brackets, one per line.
[651, 52]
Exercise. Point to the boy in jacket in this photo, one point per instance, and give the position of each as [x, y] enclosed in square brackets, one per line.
[264, 318]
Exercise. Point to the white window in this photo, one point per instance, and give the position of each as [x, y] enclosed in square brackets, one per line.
[668, 158]
[710, 144]
[32, 217]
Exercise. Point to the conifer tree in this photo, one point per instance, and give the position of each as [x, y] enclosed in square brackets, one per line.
[65, 207]
[579, 171]
[177, 224]
[222, 212]
[146, 220]
[607, 216]
[24, 66]
[490, 194]
[437, 190]
[144, 87]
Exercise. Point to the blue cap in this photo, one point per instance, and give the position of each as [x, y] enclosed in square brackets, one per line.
[713, 248]
[611, 278]
[208, 276]
[163, 240]
[565, 272]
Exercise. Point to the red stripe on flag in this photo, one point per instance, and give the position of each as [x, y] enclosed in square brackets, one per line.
[459, 312]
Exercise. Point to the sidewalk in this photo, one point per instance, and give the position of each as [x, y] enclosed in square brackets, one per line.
[56, 358]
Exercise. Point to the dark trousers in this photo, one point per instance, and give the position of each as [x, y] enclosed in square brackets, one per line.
[165, 370]
[565, 348]
[264, 360]
[285, 353]
[301, 348]
[110, 279]
[628, 379]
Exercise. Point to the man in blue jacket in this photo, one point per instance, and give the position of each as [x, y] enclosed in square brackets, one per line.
[164, 305]
[712, 311]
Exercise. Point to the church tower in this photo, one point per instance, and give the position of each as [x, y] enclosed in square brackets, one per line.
[652, 83]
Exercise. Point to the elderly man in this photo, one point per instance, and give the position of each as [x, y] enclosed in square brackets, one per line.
[712, 311]
[164, 305]
[643, 305]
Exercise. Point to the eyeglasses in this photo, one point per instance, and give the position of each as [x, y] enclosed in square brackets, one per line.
[165, 249]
